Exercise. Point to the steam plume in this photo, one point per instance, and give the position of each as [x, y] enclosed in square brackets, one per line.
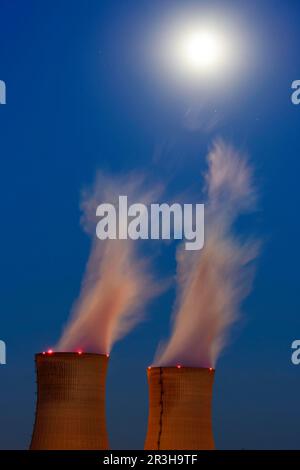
[117, 282]
[213, 282]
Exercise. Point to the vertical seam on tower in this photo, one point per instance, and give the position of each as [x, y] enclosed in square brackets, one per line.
[161, 406]
[37, 401]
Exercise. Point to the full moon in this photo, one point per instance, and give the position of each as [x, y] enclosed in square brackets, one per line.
[198, 52]
[202, 50]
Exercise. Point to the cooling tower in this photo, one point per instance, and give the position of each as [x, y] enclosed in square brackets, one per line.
[180, 408]
[70, 408]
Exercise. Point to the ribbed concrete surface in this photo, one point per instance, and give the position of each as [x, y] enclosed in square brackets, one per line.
[70, 408]
[180, 409]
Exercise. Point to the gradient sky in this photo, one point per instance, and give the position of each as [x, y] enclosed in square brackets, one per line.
[82, 95]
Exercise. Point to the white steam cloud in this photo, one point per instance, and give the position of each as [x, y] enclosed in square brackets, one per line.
[213, 282]
[117, 283]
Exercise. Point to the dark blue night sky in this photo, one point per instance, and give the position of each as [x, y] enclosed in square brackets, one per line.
[82, 96]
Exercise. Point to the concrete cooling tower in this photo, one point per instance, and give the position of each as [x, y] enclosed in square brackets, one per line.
[180, 415]
[70, 408]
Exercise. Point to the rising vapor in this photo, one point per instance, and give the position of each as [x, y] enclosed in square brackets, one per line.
[117, 283]
[213, 282]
